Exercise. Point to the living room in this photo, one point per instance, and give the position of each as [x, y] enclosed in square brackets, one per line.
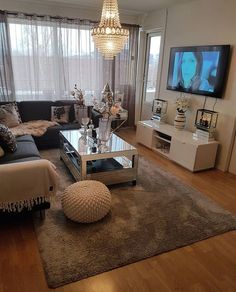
[173, 227]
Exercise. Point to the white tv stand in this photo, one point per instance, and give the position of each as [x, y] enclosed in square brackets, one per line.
[177, 145]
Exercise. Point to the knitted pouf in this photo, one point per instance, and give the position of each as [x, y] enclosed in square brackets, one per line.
[86, 201]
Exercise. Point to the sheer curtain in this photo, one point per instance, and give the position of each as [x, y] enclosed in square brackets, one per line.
[50, 55]
[7, 92]
[126, 70]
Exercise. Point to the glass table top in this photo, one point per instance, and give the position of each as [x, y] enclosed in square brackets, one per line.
[85, 145]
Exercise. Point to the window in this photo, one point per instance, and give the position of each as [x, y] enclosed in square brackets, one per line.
[50, 54]
[49, 57]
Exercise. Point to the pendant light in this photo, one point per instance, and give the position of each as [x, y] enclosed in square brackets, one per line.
[109, 37]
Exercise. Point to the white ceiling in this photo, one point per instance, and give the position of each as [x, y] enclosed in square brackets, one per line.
[132, 6]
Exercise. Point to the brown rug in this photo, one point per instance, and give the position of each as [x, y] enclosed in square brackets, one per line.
[158, 215]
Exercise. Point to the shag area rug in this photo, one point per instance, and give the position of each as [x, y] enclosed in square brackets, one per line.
[158, 215]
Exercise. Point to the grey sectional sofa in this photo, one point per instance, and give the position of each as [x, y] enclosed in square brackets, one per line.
[41, 110]
[38, 110]
[27, 146]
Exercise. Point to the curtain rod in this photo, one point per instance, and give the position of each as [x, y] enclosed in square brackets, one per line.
[60, 17]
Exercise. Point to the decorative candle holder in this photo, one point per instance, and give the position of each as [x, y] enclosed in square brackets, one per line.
[206, 120]
[159, 110]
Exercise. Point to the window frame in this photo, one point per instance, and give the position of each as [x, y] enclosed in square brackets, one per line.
[149, 35]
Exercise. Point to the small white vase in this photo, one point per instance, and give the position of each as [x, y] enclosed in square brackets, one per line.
[180, 121]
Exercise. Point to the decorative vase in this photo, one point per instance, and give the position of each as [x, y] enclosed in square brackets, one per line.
[104, 130]
[180, 121]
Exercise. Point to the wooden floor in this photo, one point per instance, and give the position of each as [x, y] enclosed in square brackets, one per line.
[208, 266]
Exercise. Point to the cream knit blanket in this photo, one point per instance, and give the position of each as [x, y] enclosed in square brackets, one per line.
[34, 128]
[21, 184]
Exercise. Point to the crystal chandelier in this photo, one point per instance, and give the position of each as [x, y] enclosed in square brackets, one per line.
[109, 37]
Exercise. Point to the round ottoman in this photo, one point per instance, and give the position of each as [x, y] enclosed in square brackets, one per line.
[86, 201]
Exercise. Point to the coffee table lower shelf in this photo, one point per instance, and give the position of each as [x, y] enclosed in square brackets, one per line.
[109, 171]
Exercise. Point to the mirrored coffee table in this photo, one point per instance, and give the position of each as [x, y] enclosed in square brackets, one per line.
[118, 163]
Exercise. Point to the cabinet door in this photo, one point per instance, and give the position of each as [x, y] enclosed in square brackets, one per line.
[144, 135]
[183, 153]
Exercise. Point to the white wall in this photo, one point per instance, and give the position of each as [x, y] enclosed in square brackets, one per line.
[66, 10]
[203, 22]
[153, 20]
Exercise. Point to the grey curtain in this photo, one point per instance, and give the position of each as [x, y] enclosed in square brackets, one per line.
[125, 72]
[7, 90]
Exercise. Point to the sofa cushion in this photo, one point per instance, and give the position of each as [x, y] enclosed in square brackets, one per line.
[72, 126]
[51, 138]
[22, 160]
[25, 138]
[35, 110]
[7, 140]
[24, 150]
[9, 115]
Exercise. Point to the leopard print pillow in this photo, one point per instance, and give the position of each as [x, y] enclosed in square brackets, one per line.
[60, 114]
[7, 139]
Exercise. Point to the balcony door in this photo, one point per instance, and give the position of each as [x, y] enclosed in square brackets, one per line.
[151, 80]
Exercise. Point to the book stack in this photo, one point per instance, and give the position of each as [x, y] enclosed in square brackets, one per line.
[204, 135]
[159, 118]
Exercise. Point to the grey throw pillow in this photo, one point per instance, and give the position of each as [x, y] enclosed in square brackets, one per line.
[60, 114]
[9, 115]
[7, 139]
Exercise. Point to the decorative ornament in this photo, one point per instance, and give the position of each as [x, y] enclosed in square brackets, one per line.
[109, 37]
[107, 107]
[78, 95]
[182, 104]
[159, 110]
[206, 120]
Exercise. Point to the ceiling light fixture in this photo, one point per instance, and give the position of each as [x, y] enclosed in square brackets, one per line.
[109, 37]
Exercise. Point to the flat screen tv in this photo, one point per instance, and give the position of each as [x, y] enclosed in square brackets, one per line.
[199, 70]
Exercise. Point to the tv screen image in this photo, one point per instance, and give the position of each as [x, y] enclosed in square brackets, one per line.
[198, 70]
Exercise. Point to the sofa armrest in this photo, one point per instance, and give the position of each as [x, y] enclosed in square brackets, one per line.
[24, 182]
